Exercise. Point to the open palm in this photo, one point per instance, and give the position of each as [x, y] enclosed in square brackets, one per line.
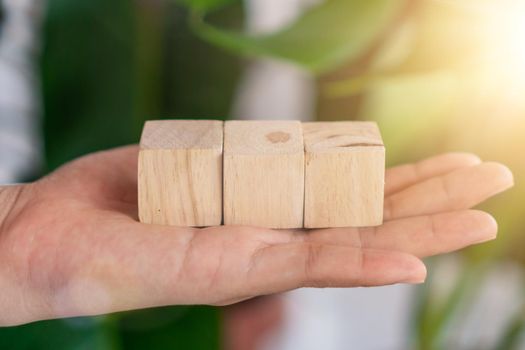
[71, 244]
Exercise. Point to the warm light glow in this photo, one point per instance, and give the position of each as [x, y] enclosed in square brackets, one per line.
[502, 56]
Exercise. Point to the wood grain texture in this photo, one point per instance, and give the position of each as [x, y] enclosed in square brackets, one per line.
[263, 174]
[344, 174]
[180, 173]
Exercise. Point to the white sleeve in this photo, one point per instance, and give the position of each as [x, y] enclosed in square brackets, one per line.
[20, 140]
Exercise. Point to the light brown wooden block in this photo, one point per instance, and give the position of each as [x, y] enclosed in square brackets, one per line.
[180, 173]
[344, 176]
[263, 174]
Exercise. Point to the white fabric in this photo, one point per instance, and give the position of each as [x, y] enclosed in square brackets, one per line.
[20, 142]
[343, 319]
[270, 89]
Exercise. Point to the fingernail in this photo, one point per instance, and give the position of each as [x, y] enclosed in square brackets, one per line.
[415, 280]
[503, 173]
[483, 226]
[417, 275]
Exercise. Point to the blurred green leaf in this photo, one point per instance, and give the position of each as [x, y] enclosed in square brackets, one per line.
[175, 327]
[432, 317]
[438, 36]
[205, 5]
[75, 333]
[323, 38]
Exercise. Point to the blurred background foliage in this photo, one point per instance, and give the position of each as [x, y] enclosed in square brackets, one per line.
[438, 75]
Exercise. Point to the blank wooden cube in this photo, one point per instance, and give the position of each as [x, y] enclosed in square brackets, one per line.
[263, 174]
[344, 174]
[180, 173]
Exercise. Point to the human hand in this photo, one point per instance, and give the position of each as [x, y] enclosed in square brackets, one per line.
[71, 245]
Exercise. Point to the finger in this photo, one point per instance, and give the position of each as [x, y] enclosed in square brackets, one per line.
[114, 170]
[421, 236]
[402, 176]
[288, 266]
[460, 189]
[110, 175]
[126, 155]
[119, 174]
[118, 163]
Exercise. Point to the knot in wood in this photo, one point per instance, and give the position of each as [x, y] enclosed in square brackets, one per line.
[278, 137]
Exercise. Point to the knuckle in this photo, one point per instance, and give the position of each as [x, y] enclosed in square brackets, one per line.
[312, 272]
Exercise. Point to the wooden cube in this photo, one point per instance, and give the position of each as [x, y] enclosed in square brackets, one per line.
[344, 174]
[180, 173]
[263, 174]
